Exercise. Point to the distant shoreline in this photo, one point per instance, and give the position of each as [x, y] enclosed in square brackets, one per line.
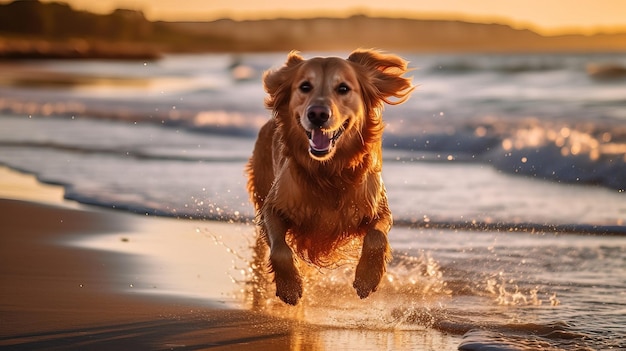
[37, 30]
[41, 49]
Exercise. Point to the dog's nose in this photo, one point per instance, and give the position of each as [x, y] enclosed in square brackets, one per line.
[318, 114]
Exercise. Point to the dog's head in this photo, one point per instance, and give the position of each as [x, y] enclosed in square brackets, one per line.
[335, 103]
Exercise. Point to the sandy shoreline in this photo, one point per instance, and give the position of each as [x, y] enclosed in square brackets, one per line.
[60, 297]
[74, 277]
[55, 293]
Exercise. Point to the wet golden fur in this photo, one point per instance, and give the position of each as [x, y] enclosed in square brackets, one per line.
[315, 202]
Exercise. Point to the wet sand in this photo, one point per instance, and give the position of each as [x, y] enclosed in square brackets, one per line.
[60, 297]
[70, 278]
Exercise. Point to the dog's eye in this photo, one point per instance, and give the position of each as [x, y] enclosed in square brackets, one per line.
[343, 89]
[306, 87]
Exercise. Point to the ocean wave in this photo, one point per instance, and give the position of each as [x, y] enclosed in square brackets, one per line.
[235, 208]
[576, 152]
[471, 66]
[596, 65]
[524, 337]
[566, 153]
[216, 121]
[503, 64]
[138, 153]
[228, 212]
[512, 227]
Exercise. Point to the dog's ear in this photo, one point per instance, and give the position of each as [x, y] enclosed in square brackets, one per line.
[384, 73]
[277, 83]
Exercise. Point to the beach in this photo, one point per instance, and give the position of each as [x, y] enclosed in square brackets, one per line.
[125, 221]
[81, 277]
[61, 296]
[55, 296]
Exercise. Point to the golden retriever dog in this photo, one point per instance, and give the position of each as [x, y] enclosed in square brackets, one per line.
[315, 172]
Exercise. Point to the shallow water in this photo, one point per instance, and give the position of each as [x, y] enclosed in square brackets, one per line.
[496, 291]
[443, 290]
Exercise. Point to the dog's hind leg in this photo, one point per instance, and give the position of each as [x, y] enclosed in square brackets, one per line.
[375, 254]
[286, 274]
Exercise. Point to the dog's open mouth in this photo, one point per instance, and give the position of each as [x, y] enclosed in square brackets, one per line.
[321, 142]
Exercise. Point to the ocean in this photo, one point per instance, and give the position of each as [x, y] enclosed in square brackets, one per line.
[506, 175]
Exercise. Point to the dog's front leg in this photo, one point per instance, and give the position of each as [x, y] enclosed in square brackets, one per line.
[286, 275]
[374, 257]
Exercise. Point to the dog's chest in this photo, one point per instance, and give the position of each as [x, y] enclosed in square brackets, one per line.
[339, 208]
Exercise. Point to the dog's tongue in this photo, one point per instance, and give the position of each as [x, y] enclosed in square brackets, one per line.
[319, 140]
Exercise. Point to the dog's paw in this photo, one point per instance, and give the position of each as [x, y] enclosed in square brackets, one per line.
[289, 288]
[368, 276]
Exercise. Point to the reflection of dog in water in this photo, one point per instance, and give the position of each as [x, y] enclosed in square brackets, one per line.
[315, 173]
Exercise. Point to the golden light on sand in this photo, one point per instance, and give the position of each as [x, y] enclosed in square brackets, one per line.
[546, 17]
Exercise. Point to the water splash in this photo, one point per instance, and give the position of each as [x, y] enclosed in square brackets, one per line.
[516, 296]
[410, 296]
[490, 299]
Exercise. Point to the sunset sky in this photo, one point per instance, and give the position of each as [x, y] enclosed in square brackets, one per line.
[545, 16]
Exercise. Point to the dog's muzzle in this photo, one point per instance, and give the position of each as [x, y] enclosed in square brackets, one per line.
[321, 140]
